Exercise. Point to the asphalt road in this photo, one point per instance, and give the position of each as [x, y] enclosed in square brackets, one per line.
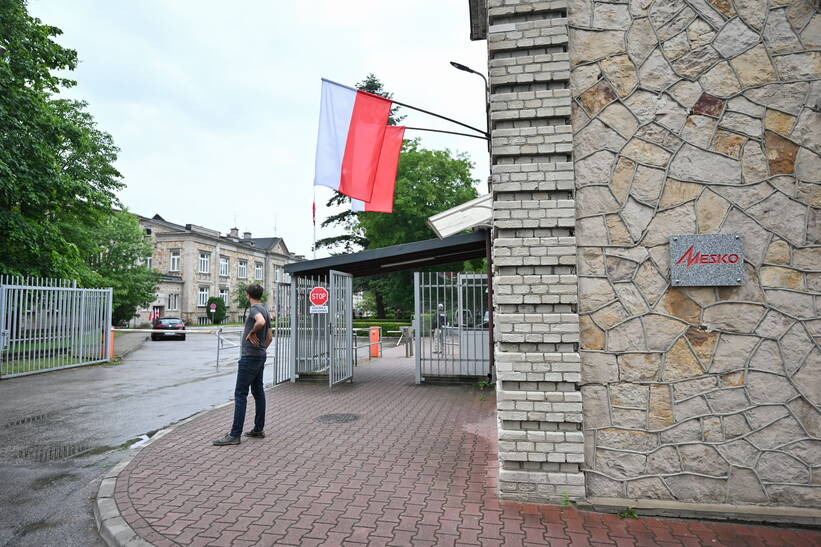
[62, 430]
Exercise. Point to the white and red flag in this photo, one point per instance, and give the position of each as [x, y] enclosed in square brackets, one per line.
[352, 127]
[385, 181]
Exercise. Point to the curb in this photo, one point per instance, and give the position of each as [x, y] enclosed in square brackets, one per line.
[111, 526]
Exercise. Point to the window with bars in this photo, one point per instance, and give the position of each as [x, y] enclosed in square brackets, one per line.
[202, 296]
[175, 261]
[205, 262]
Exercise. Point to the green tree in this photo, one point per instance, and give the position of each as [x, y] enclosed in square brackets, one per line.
[216, 316]
[117, 260]
[241, 298]
[56, 166]
[427, 182]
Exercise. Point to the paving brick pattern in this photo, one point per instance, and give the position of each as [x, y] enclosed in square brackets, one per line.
[418, 467]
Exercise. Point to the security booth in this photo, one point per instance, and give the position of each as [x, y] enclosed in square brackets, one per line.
[313, 321]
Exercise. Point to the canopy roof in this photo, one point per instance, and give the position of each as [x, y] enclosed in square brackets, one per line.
[408, 256]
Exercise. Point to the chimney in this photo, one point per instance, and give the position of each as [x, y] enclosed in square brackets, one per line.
[246, 235]
[234, 233]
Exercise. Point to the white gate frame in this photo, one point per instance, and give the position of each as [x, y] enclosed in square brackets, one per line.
[51, 324]
[341, 327]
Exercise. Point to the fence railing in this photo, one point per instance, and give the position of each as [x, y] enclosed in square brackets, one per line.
[49, 324]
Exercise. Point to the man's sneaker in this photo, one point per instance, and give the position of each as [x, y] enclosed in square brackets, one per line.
[225, 441]
[257, 434]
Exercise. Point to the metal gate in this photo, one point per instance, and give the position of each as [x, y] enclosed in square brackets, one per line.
[50, 324]
[341, 327]
[451, 325]
[281, 323]
[309, 331]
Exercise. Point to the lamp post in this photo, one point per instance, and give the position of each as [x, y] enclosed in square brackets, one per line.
[463, 68]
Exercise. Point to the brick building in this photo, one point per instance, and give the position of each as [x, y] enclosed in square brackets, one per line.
[614, 126]
[196, 263]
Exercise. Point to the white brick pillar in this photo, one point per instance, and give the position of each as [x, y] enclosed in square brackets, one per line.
[541, 446]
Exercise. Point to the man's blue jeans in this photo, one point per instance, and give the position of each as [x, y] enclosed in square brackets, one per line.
[249, 374]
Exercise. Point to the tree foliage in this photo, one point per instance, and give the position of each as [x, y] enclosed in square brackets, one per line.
[218, 315]
[117, 252]
[56, 167]
[241, 297]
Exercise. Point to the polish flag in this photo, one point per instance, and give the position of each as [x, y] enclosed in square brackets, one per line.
[385, 181]
[351, 130]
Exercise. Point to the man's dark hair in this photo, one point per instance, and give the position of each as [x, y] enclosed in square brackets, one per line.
[254, 291]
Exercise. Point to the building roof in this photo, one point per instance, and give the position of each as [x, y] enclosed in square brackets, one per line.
[476, 213]
[419, 254]
[265, 243]
[256, 243]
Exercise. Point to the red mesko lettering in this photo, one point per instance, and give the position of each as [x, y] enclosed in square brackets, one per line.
[693, 257]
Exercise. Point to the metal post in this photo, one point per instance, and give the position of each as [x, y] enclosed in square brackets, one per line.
[109, 312]
[489, 259]
[219, 343]
[294, 327]
[417, 326]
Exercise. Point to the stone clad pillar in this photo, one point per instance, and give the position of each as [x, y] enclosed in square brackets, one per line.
[534, 253]
[699, 117]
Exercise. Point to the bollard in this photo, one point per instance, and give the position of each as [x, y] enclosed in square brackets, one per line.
[374, 339]
[111, 344]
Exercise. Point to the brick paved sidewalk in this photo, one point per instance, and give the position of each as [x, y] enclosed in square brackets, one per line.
[417, 467]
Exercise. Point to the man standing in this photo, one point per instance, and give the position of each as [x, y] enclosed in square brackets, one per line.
[256, 338]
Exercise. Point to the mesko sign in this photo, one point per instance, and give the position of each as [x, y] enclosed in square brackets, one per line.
[697, 257]
[706, 260]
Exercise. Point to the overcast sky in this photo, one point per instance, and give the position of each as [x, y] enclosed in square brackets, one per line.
[215, 105]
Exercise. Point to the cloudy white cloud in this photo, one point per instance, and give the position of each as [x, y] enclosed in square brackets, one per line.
[215, 104]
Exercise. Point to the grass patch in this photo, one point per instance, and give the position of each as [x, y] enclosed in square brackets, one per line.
[628, 513]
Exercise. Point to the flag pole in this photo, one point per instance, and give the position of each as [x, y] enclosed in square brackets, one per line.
[313, 211]
[448, 132]
[428, 112]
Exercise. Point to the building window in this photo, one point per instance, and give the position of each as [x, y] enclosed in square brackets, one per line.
[173, 302]
[202, 320]
[202, 296]
[258, 271]
[149, 262]
[205, 262]
[175, 261]
[148, 231]
[242, 269]
[277, 275]
[224, 266]
[224, 296]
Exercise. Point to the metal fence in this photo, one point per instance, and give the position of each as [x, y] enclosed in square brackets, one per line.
[451, 325]
[48, 324]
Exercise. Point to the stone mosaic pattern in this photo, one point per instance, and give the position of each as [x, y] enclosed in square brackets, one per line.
[541, 444]
[699, 116]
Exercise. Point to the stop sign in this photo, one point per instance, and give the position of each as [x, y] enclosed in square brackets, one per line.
[319, 296]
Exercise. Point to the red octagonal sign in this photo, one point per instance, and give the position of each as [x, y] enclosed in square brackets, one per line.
[319, 296]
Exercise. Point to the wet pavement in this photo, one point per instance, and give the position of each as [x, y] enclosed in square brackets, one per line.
[62, 430]
[381, 461]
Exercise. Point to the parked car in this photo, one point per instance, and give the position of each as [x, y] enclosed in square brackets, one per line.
[174, 326]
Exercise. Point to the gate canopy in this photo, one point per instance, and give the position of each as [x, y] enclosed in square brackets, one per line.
[419, 254]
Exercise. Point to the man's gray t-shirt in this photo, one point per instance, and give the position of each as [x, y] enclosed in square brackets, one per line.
[247, 349]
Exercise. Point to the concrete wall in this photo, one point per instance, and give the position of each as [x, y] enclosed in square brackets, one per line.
[699, 117]
[534, 252]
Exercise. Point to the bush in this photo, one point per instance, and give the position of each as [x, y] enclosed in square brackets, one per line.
[218, 315]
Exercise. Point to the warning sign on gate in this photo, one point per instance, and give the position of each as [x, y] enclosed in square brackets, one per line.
[319, 300]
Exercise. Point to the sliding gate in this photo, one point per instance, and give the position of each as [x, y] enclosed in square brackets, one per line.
[310, 340]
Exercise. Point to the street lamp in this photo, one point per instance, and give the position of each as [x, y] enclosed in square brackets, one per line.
[463, 68]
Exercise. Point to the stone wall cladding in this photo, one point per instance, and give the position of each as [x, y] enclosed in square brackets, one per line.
[699, 116]
[541, 444]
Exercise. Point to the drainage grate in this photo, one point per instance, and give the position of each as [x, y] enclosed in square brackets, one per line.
[336, 418]
[30, 420]
[44, 454]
